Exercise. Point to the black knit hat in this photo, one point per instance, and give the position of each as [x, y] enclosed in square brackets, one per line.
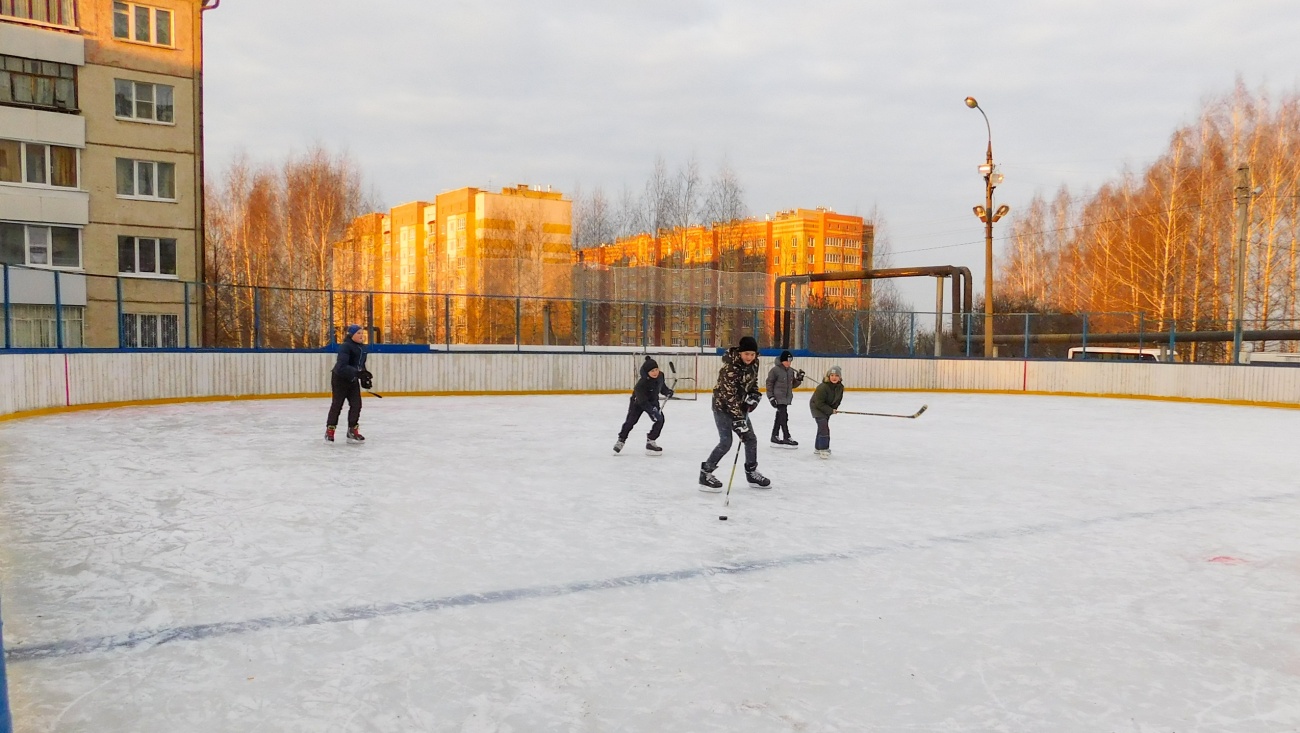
[649, 364]
[785, 356]
[747, 343]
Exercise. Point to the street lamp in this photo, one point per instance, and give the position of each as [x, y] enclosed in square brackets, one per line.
[987, 215]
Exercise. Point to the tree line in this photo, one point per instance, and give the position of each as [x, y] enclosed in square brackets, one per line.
[1161, 242]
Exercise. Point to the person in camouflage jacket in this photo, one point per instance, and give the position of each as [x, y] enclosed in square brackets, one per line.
[734, 397]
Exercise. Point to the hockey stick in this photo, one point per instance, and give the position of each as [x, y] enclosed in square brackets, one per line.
[885, 414]
[727, 501]
[376, 394]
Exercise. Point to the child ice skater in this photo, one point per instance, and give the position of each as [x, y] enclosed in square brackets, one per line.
[645, 400]
[782, 381]
[826, 402]
[735, 396]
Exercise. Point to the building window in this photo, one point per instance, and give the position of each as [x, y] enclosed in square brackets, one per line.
[38, 164]
[35, 327]
[143, 24]
[54, 12]
[146, 179]
[146, 256]
[150, 331]
[138, 100]
[31, 83]
[40, 246]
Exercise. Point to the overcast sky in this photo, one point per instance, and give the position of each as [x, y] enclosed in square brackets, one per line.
[850, 105]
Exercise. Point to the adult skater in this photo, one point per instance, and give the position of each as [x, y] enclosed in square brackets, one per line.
[782, 381]
[826, 402]
[346, 380]
[645, 400]
[734, 397]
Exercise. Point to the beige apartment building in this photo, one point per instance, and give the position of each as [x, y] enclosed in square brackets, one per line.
[101, 172]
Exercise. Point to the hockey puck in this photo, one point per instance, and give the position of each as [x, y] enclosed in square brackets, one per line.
[723, 517]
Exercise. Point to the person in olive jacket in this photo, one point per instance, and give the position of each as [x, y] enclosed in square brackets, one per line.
[346, 380]
[782, 381]
[645, 399]
[826, 402]
[734, 397]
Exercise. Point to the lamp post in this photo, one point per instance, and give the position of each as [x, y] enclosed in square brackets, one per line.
[987, 215]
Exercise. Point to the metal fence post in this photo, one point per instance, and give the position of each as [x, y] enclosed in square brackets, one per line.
[256, 317]
[911, 334]
[1173, 326]
[1026, 335]
[446, 320]
[582, 324]
[519, 336]
[645, 325]
[8, 331]
[370, 317]
[1084, 353]
[58, 313]
[1142, 330]
[330, 294]
[121, 320]
[857, 345]
[968, 319]
[185, 295]
[703, 312]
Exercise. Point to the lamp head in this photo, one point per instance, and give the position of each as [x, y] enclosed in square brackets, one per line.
[996, 179]
[1001, 212]
[970, 102]
[981, 213]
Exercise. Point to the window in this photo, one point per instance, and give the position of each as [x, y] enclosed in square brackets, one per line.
[31, 83]
[146, 256]
[146, 179]
[41, 246]
[54, 12]
[35, 326]
[38, 164]
[142, 24]
[150, 330]
[138, 100]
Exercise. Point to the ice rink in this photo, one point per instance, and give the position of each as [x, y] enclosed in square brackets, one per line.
[1003, 563]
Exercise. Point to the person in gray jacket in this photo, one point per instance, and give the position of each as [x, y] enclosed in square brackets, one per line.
[782, 381]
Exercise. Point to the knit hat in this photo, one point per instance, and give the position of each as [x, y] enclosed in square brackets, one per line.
[353, 329]
[747, 343]
[785, 356]
[835, 370]
[649, 364]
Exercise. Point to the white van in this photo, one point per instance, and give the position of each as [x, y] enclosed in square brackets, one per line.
[1120, 353]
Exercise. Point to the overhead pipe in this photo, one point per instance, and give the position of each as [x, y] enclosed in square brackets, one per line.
[1152, 337]
[961, 291]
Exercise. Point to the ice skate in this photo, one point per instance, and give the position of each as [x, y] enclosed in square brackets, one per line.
[355, 436]
[756, 479]
[791, 443]
[708, 482]
[824, 453]
[787, 443]
[618, 447]
[329, 433]
[653, 449]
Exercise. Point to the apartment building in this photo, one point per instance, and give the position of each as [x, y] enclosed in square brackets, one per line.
[101, 172]
[451, 269]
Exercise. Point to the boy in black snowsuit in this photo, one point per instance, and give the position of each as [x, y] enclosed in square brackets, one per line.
[346, 380]
[734, 397]
[645, 399]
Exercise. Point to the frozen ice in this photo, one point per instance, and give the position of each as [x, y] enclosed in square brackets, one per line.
[1002, 563]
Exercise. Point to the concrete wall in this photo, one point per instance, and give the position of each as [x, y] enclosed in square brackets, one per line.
[52, 381]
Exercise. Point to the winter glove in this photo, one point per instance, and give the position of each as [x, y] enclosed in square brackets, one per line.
[655, 413]
[751, 401]
[798, 379]
[772, 399]
[366, 379]
[670, 393]
[740, 427]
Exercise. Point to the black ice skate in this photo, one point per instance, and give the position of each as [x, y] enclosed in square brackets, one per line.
[709, 482]
[787, 443]
[756, 479]
[653, 449]
[329, 433]
[618, 447]
[791, 443]
[355, 436]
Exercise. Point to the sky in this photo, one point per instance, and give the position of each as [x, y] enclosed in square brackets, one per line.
[856, 106]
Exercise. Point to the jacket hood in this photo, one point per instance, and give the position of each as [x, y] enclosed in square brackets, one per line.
[647, 365]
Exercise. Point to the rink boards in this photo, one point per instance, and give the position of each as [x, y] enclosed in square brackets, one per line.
[53, 381]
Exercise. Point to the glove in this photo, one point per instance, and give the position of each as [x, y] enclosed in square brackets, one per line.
[740, 427]
[671, 394]
[365, 378]
[655, 414]
[751, 401]
[772, 399]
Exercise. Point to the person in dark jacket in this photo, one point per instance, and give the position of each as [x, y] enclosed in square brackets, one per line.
[782, 381]
[645, 400]
[346, 380]
[734, 397]
[826, 402]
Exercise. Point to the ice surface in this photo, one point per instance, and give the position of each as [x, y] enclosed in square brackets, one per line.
[487, 564]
